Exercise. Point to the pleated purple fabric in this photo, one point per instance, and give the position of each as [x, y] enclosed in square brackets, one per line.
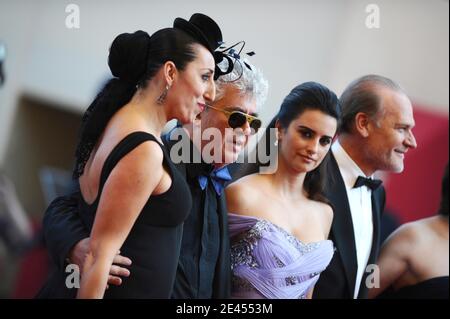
[268, 262]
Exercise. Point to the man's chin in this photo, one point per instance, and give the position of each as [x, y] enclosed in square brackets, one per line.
[396, 168]
[399, 169]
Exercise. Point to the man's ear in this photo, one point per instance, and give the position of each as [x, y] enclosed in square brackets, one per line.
[362, 123]
[170, 72]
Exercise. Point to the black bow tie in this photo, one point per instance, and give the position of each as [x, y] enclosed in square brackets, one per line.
[373, 184]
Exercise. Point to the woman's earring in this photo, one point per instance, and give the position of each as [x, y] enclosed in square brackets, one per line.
[276, 143]
[163, 95]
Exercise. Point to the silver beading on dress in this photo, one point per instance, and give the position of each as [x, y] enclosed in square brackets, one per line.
[242, 247]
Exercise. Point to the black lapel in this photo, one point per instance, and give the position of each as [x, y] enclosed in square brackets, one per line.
[342, 232]
[234, 168]
[377, 209]
[378, 197]
[222, 278]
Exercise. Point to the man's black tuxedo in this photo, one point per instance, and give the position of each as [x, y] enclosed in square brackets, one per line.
[338, 280]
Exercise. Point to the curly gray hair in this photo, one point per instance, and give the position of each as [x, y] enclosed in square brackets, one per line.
[252, 82]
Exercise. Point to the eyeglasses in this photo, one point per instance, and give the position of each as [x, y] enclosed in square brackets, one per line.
[237, 119]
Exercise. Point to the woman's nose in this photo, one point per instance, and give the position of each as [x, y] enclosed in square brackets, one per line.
[313, 147]
[210, 93]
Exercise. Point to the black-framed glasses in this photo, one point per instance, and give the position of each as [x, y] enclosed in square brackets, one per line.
[238, 119]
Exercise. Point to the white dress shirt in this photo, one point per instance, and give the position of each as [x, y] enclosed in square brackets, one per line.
[360, 201]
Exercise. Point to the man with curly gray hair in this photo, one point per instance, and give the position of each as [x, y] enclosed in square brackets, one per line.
[204, 269]
[239, 96]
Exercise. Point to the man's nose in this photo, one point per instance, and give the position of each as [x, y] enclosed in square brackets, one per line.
[411, 140]
[247, 129]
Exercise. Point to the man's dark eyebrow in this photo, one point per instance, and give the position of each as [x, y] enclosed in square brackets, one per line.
[314, 132]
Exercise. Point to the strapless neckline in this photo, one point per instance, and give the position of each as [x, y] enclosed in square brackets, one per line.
[284, 231]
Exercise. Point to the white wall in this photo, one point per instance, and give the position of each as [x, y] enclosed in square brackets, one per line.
[411, 47]
[295, 41]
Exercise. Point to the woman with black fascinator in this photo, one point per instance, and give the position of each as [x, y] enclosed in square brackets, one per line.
[132, 196]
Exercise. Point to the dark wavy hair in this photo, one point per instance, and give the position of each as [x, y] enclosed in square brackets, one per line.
[304, 97]
[134, 59]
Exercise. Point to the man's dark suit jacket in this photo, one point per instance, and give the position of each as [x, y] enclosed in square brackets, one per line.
[187, 285]
[338, 280]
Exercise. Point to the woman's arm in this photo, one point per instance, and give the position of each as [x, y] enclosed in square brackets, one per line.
[393, 259]
[124, 195]
[328, 215]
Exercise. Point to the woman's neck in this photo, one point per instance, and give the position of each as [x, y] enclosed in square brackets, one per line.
[288, 181]
[154, 115]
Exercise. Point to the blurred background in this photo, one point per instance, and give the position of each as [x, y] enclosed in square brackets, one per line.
[53, 61]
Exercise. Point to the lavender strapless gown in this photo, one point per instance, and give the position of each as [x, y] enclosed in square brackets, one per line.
[268, 262]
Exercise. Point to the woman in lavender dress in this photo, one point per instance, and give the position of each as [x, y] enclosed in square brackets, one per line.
[279, 222]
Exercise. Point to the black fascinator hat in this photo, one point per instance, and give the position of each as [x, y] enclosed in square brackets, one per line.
[202, 28]
[207, 32]
[232, 57]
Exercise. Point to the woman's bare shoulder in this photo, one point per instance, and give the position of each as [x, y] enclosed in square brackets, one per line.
[324, 213]
[244, 195]
[406, 236]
